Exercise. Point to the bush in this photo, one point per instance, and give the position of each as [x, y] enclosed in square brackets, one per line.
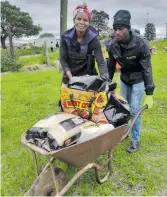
[8, 63]
[29, 51]
[37, 50]
[42, 59]
[38, 59]
[29, 61]
[23, 52]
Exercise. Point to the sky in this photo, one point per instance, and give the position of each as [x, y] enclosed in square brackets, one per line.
[47, 12]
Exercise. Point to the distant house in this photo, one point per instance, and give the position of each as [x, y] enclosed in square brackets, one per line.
[37, 42]
[50, 41]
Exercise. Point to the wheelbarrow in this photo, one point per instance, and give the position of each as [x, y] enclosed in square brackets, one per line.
[50, 182]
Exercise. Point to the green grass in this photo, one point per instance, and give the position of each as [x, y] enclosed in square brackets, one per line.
[28, 97]
[37, 59]
[159, 44]
[27, 61]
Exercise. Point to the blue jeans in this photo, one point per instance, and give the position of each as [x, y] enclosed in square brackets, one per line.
[134, 95]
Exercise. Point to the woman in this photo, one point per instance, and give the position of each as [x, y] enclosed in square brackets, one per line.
[78, 45]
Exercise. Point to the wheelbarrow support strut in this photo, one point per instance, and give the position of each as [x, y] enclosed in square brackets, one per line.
[85, 169]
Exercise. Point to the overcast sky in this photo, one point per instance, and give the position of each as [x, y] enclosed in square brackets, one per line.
[47, 12]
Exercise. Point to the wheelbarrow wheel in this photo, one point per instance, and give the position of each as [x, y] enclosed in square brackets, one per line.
[49, 190]
[44, 184]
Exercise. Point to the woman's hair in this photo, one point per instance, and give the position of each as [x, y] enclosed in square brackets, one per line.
[82, 9]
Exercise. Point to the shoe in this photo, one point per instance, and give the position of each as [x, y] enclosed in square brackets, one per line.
[133, 147]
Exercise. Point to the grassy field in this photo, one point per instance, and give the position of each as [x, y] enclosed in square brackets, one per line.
[38, 59]
[28, 97]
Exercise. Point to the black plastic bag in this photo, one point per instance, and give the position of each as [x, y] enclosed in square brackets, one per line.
[92, 83]
[41, 138]
[117, 111]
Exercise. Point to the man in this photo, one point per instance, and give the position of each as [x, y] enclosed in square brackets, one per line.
[57, 45]
[51, 47]
[131, 51]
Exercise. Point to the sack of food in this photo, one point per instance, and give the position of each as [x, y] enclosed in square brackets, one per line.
[56, 131]
[91, 132]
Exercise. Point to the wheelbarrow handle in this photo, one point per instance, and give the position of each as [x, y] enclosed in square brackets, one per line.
[135, 118]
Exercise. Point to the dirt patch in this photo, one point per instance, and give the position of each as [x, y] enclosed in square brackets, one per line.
[41, 67]
[37, 67]
[162, 192]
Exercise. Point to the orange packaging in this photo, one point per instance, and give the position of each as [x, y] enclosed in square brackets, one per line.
[88, 105]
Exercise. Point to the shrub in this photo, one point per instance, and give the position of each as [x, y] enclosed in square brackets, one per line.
[37, 50]
[8, 63]
[29, 51]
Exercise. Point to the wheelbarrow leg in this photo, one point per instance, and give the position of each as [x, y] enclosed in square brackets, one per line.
[75, 178]
[54, 177]
[35, 163]
[98, 168]
[85, 169]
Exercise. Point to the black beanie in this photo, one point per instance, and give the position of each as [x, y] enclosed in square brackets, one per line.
[122, 19]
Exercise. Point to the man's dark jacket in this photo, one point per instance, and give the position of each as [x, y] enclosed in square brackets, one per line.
[135, 62]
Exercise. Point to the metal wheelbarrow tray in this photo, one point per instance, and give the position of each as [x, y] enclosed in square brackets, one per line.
[81, 156]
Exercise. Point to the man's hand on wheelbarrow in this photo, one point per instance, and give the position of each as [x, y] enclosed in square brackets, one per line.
[148, 101]
[69, 74]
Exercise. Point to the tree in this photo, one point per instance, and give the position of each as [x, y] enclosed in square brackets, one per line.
[21, 24]
[100, 21]
[150, 31]
[50, 35]
[107, 34]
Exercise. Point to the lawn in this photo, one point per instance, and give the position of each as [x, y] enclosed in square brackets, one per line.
[38, 59]
[28, 97]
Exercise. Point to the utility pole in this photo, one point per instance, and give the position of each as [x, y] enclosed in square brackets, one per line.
[146, 33]
[147, 16]
[63, 16]
[166, 29]
[63, 20]
[47, 60]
